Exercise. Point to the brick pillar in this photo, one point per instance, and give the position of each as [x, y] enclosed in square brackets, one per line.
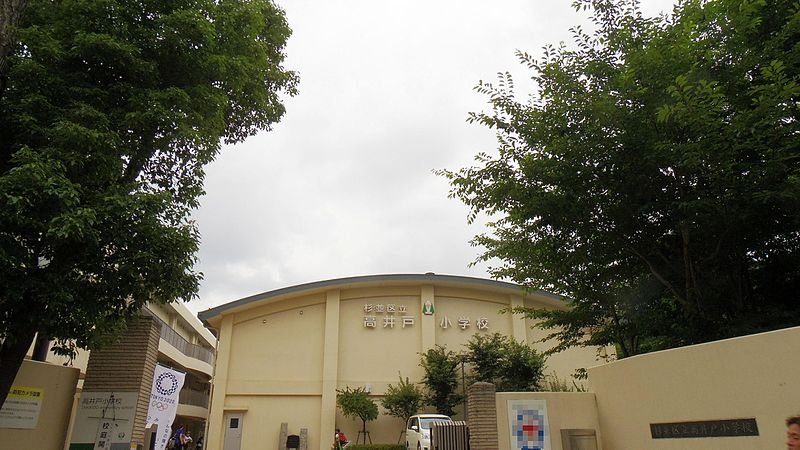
[127, 366]
[482, 417]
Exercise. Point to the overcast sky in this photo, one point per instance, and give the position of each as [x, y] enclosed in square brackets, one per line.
[343, 185]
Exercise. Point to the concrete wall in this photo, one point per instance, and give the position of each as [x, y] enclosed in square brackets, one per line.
[749, 377]
[58, 383]
[565, 410]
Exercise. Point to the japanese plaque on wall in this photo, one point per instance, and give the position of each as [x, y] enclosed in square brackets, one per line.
[705, 429]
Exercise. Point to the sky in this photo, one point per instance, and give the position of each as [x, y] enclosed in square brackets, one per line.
[344, 184]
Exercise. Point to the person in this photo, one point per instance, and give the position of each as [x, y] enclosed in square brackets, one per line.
[793, 433]
[199, 444]
[179, 437]
[187, 440]
[341, 439]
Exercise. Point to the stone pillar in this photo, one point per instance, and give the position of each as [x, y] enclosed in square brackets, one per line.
[482, 417]
[283, 436]
[303, 439]
[128, 366]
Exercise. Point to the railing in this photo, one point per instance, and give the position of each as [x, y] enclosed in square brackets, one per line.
[187, 348]
[193, 397]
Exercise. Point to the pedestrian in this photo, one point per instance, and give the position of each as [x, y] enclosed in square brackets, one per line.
[793, 433]
[180, 437]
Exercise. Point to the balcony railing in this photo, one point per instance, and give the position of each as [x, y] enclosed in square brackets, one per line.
[184, 346]
[193, 397]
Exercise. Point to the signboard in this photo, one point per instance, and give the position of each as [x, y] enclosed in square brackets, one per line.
[104, 421]
[397, 315]
[163, 406]
[705, 429]
[21, 408]
[527, 425]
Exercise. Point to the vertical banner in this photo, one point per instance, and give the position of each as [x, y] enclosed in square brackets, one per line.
[527, 423]
[167, 384]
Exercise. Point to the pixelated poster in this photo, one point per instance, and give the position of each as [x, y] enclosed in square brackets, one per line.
[527, 423]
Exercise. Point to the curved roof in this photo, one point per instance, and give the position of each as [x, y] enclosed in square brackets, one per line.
[366, 280]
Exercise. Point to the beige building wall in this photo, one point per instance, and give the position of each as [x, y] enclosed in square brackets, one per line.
[748, 377]
[58, 383]
[283, 354]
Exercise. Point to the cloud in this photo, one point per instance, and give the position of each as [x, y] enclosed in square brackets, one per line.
[343, 185]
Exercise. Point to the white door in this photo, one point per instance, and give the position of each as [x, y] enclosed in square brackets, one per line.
[233, 431]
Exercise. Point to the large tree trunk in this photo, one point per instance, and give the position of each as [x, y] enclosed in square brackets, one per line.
[10, 13]
[12, 353]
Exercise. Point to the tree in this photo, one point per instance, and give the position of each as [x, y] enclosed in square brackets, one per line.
[487, 354]
[356, 403]
[111, 110]
[402, 401]
[510, 365]
[654, 178]
[441, 379]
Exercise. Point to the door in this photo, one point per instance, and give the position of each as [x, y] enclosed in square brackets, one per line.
[233, 431]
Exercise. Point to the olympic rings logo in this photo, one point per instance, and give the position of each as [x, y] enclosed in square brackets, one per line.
[161, 383]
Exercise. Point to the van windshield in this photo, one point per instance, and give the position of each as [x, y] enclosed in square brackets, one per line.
[426, 423]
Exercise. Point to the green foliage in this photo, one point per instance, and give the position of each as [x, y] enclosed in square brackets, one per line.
[654, 178]
[510, 365]
[357, 403]
[403, 400]
[111, 110]
[486, 353]
[441, 379]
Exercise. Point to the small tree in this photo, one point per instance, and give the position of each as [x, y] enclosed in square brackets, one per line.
[356, 403]
[523, 368]
[441, 379]
[508, 364]
[486, 354]
[402, 401]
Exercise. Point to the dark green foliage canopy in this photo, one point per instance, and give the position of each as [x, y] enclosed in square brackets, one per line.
[111, 110]
[654, 179]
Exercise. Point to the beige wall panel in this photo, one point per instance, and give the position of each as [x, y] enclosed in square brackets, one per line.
[58, 383]
[454, 308]
[752, 376]
[486, 296]
[384, 291]
[263, 417]
[278, 353]
[565, 410]
[375, 356]
[277, 305]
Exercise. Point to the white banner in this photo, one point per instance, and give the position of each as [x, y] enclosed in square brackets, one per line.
[167, 384]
